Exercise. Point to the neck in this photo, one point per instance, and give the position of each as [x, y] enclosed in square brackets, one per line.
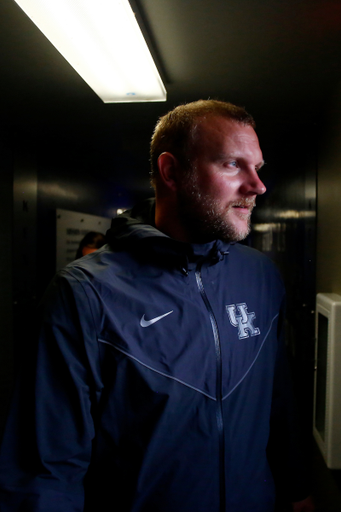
[170, 222]
[170, 225]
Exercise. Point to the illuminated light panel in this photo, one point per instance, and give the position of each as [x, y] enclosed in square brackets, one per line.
[102, 41]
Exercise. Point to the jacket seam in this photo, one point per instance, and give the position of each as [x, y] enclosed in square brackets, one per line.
[253, 362]
[155, 370]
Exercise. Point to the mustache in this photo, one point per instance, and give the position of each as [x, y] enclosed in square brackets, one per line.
[247, 202]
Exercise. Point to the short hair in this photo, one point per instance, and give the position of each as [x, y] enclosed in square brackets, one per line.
[174, 132]
[94, 239]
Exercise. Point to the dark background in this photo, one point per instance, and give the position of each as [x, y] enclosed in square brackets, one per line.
[61, 147]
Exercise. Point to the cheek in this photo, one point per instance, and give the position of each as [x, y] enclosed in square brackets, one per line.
[218, 185]
[224, 189]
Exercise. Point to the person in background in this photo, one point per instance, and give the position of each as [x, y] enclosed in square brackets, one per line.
[160, 381]
[90, 243]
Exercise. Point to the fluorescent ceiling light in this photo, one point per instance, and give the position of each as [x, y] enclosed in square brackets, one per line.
[102, 41]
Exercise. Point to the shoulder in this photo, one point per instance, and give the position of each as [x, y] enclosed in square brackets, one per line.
[94, 279]
[94, 268]
[248, 252]
[254, 265]
[75, 286]
[251, 255]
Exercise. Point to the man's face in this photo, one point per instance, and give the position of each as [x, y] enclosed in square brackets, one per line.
[219, 192]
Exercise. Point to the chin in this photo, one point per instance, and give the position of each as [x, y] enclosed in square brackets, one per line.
[234, 231]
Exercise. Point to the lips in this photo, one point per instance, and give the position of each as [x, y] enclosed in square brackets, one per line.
[244, 205]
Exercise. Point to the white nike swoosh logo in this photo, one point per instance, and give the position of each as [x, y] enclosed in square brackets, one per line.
[147, 323]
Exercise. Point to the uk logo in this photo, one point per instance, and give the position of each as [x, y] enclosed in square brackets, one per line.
[243, 320]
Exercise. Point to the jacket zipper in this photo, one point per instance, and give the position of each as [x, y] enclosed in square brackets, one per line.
[219, 413]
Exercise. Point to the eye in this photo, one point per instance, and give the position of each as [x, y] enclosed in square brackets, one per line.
[231, 166]
[232, 163]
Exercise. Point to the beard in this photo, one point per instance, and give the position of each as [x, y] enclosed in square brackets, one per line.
[207, 219]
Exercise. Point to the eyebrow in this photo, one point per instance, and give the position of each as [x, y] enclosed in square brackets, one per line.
[260, 165]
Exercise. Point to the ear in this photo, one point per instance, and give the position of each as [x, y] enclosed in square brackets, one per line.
[168, 170]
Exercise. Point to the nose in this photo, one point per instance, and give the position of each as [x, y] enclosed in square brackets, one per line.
[252, 184]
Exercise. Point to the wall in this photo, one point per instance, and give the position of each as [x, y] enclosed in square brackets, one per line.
[329, 203]
[24, 243]
[88, 169]
[284, 228]
[6, 297]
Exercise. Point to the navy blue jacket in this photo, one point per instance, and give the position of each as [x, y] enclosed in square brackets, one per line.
[160, 375]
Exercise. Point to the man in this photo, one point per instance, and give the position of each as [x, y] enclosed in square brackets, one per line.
[160, 379]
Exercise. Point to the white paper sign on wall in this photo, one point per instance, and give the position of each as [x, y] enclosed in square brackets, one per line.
[71, 228]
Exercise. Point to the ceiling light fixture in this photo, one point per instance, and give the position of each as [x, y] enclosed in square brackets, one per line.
[102, 41]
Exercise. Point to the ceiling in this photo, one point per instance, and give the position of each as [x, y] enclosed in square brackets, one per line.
[272, 56]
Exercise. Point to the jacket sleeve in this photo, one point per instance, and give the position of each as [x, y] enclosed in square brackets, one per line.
[287, 458]
[47, 443]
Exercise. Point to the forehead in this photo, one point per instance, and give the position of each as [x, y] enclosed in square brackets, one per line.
[218, 134]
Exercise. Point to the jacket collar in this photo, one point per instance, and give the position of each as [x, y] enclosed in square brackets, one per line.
[135, 231]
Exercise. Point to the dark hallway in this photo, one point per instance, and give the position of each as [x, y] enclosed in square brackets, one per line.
[62, 148]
